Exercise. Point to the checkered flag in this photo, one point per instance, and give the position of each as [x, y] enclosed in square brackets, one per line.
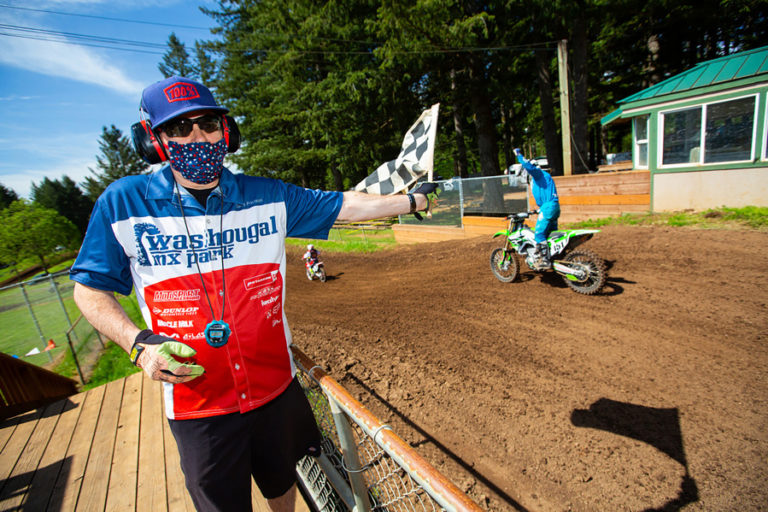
[414, 161]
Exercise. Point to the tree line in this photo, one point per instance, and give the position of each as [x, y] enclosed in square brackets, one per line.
[324, 91]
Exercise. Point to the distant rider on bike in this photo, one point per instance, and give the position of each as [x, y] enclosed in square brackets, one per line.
[311, 256]
[545, 194]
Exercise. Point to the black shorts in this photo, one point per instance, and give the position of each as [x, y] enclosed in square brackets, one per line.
[219, 454]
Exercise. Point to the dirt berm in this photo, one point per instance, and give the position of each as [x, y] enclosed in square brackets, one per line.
[650, 396]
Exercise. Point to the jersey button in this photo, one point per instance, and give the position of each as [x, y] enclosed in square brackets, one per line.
[237, 366]
[242, 396]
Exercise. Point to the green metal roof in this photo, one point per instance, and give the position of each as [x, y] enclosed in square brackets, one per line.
[723, 70]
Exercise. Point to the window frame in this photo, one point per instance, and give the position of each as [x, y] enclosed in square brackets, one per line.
[638, 142]
[702, 133]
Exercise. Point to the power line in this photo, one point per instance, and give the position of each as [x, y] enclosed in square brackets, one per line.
[124, 20]
[64, 36]
[40, 38]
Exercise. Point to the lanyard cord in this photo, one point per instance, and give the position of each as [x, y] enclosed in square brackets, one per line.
[197, 264]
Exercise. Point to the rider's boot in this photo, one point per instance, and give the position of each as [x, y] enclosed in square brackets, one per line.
[542, 250]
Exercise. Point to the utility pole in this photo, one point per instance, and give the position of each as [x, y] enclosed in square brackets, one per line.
[565, 105]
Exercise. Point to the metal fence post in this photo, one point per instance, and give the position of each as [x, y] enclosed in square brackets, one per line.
[74, 357]
[351, 458]
[61, 301]
[34, 319]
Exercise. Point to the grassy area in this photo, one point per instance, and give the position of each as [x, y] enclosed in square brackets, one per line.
[113, 363]
[754, 217]
[351, 240]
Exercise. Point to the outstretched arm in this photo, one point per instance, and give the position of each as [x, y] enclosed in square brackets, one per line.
[358, 206]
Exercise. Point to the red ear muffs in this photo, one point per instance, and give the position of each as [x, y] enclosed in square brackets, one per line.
[147, 144]
[231, 134]
[151, 150]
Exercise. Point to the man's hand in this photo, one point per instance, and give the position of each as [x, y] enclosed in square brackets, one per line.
[527, 165]
[430, 191]
[158, 361]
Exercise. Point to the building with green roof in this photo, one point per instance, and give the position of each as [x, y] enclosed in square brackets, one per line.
[703, 134]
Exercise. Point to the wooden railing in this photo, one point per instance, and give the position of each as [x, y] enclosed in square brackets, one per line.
[24, 386]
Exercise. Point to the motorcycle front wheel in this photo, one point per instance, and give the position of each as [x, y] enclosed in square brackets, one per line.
[594, 269]
[309, 274]
[321, 274]
[504, 265]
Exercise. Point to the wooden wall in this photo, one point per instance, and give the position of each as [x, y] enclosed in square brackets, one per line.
[594, 196]
[582, 197]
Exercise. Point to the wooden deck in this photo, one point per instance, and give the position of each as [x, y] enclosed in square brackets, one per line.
[109, 448]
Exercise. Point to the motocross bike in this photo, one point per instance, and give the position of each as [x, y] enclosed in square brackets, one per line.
[583, 270]
[315, 269]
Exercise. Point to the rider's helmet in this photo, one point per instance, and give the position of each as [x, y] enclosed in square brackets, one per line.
[310, 247]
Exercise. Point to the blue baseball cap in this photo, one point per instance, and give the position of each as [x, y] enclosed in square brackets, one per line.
[169, 98]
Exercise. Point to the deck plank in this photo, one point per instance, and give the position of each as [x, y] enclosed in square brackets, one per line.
[93, 495]
[178, 497]
[151, 488]
[16, 443]
[67, 488]
[121, 494]
[54, 461]
[16, 487]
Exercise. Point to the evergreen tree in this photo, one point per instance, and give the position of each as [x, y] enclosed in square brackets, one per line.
[66, 198]
[117, 159]
[7, 196]
[176, 60]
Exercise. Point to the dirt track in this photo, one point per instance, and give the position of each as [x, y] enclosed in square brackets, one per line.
[651, 396]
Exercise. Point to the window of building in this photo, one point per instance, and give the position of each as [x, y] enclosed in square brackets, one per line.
[728, 137]
[641, 142]
[765, 131]
[707, 134]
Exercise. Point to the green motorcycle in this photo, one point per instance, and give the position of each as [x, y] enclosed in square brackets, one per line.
[583, 270]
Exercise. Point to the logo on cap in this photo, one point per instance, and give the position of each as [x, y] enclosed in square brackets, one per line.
[180, 91]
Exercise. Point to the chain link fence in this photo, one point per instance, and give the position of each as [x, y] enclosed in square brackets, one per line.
[364, 466]
[42, 327]
[488, 196]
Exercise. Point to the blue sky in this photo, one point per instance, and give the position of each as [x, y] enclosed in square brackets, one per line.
[55, 98]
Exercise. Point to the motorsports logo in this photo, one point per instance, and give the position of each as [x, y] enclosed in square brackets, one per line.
[157, 249]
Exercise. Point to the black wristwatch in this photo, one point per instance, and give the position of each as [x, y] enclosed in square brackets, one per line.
[137, 349]
[135, 352]
[413, 203]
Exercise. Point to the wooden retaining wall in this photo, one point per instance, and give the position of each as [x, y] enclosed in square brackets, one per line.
[609, 194]
[582, 197]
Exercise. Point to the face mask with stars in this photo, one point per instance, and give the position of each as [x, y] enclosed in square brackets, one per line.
[198, 162]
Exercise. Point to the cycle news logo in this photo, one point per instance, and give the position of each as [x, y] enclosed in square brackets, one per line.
[154, 248]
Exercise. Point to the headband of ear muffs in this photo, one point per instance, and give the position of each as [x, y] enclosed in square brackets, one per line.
[147, 144]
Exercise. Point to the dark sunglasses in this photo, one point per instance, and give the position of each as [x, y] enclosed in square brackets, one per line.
[182, 126]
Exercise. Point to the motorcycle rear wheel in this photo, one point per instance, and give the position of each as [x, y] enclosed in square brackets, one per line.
[595, 269]
[321, 274]
[504, 265]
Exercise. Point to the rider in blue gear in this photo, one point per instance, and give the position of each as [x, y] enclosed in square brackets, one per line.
[545, 194]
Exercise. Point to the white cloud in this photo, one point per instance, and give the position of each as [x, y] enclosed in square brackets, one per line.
[68, 61]
[21, 182]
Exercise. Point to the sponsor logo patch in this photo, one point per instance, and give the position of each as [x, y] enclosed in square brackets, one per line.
[176, 295]
[180, 91]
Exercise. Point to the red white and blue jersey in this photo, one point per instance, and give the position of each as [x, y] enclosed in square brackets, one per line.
[137, 238]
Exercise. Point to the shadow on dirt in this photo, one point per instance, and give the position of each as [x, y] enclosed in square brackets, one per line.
[659, 428]
[506, 498]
